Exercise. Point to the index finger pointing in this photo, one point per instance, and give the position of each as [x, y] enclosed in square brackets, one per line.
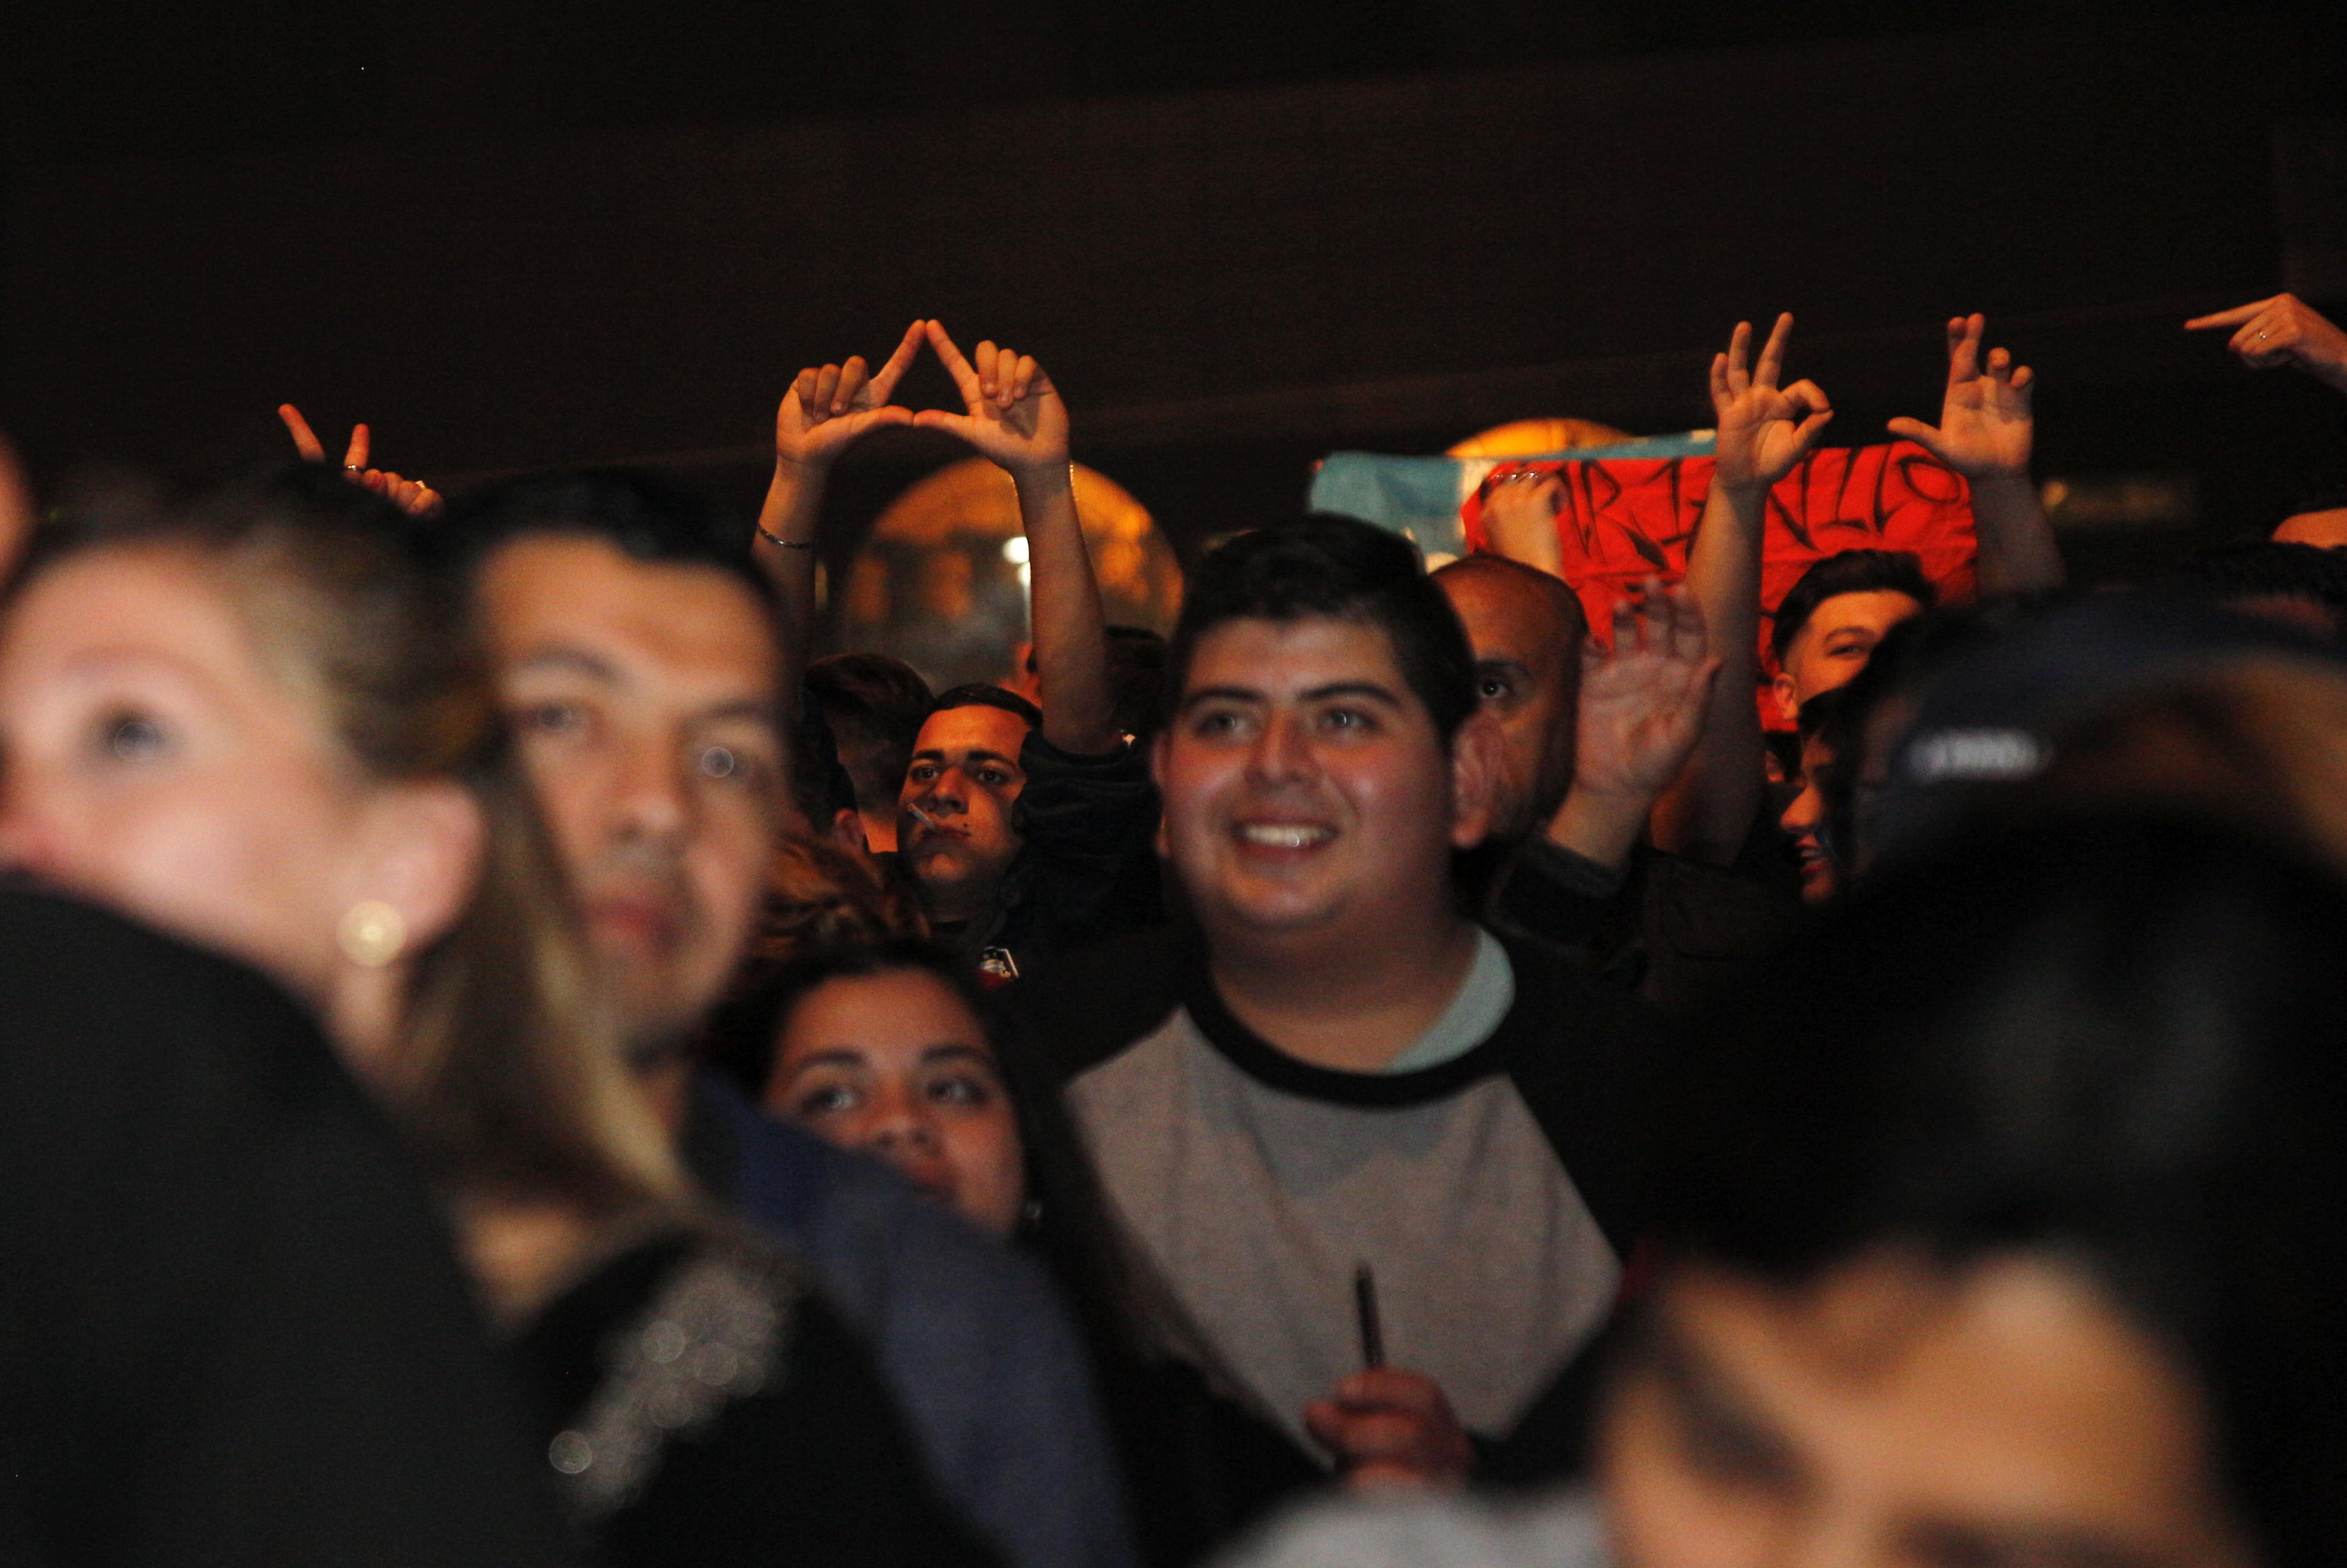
[305, 440]
[884, 380]
[951, 357]
[2231, 318]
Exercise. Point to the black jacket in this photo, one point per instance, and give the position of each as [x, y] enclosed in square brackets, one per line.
[232, 1330]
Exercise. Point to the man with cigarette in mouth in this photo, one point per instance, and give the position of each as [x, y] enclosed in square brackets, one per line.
[1027, 832]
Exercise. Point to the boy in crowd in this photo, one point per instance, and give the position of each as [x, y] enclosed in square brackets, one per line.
[1343, 1088]
[1024, 826]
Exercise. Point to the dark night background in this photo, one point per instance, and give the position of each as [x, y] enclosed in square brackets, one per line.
[513, 235]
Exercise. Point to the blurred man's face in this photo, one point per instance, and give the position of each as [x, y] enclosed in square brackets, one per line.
[1307, 792]
[953, 819]
[1527, 676]
[1835, 645]
[644, 697]
[1895, 1416]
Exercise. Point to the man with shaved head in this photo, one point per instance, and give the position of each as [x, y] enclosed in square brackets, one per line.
[1526, 628]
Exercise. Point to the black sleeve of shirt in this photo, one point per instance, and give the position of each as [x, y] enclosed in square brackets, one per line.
[1557, 897]
[1087, 866]
[1068, 1016]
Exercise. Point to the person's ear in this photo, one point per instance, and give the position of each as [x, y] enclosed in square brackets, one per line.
[420, 855]
[1474, 779]
[847, 831]
[1781, 687]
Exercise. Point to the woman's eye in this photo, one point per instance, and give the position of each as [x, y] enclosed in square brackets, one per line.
[827, 1100]
[132, 737]
[963, 1090]
[554, 719]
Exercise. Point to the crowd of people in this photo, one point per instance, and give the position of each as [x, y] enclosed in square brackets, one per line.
[504, 1056]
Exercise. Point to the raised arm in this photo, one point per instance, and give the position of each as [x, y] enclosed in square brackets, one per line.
[1764, 429]
[1016, 419]
[827, 410]
[1984, 432]
[2283, 330]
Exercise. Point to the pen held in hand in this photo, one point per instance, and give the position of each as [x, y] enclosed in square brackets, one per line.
[1365, 1307]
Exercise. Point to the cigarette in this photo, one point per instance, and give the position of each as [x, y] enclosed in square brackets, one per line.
[1365, 1307]
[923, 817]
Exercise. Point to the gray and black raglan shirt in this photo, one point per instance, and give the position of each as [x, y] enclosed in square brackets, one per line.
[1483, 1179]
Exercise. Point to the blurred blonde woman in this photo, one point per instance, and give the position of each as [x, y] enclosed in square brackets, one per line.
[263, 723]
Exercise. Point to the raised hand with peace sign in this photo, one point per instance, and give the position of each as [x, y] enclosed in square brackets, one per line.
[414, 497]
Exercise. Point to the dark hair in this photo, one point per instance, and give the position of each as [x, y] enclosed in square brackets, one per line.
[985, 694]
[645, 516]
[1820, 717]
[2121, 1042]
[820, 786]
[2264, 568]
[1848, 571]
[745, 1029]
[1334, 569]
[1136, 678]
[874, 704]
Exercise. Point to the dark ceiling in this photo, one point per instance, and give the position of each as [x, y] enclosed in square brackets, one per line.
[517, 234]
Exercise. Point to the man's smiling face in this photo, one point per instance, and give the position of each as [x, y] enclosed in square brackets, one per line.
[1306, 789]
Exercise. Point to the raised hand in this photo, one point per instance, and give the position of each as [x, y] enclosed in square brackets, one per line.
[1015, 416]
[414, 497]
[1520, 520]
[1642, 699]
[829, 406]
[2283, 330]
[1764, 430]
[1985, 427]
[1387, 1426]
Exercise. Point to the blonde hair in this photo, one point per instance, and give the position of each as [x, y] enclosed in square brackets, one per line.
[508, 1074]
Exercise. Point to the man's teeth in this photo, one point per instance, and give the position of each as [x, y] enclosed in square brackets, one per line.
[1285, 836]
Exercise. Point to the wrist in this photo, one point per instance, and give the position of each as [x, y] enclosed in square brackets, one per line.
[2001, 484]
[1042, 478]
[1600, 824]
[801, 466]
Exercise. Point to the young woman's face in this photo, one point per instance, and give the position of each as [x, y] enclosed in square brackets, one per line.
[896, 1065]
[154, 763]
[1892, 1414]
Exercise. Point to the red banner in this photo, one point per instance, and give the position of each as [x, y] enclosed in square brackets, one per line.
[1625, 520]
